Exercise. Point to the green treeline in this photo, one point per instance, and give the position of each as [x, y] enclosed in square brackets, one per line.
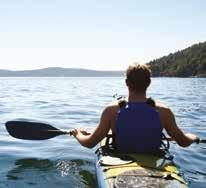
[185, 63]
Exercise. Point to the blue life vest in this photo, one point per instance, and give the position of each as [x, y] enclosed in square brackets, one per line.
[138, 128]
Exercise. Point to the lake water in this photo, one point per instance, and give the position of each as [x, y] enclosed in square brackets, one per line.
[78, 102]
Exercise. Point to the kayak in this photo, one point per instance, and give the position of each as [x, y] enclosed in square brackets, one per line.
[135, 170]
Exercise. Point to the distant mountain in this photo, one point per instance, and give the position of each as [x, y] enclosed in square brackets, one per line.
[60, 72]
[190, 62]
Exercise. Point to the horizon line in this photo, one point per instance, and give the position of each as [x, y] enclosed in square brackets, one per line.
[36, 69]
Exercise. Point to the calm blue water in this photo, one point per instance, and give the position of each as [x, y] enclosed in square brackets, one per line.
[78, 102]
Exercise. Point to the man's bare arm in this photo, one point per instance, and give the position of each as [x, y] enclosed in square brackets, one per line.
[91, 140]
[174, 131]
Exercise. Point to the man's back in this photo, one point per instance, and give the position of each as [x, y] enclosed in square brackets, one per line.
[166, 118]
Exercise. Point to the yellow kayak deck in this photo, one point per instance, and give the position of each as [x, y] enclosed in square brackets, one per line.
[115, 167]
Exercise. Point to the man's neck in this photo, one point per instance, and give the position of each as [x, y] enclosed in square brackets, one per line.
[136, 97]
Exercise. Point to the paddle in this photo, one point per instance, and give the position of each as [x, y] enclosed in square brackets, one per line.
[31, 130]
[198, 141]
[201, 141]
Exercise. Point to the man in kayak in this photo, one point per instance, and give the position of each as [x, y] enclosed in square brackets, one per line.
[136, 123]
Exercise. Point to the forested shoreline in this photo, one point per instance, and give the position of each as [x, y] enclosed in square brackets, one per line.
[190, 62]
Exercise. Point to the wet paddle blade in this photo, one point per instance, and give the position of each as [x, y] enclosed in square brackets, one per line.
[32, 130]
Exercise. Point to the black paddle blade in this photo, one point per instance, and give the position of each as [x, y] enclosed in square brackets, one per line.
[32, 130]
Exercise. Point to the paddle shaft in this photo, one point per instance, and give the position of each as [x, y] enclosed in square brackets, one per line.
[198, 141]
[202, 141]
[60, 131]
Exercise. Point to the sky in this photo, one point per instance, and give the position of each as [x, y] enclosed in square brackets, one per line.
[95, 34]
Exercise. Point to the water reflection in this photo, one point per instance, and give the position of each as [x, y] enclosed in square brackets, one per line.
[46, 173]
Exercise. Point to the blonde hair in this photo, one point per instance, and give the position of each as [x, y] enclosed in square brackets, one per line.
[138, 77]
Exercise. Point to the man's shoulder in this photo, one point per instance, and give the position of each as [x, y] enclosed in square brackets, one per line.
[163, 108]
[160, 104]
[113, 106]
[166, 115]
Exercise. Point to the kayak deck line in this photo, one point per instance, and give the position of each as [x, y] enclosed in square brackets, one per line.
[167, 176]
[168, 168]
